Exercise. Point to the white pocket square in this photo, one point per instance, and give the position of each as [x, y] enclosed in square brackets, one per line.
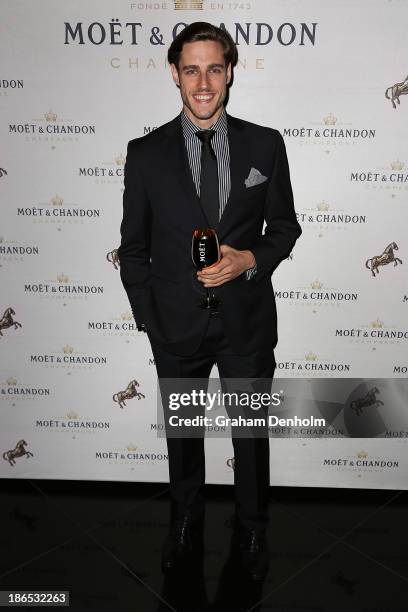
[255, 178]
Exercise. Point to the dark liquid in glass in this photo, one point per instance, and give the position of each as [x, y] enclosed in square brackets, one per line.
[205, 248]
[205, 252]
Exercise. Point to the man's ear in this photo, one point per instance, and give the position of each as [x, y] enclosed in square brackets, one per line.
[174, 74]
[229, 73]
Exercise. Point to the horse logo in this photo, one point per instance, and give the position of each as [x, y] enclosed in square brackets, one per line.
[368, 401]
[397, 90]
[385, 258]
[7, 320]
[18, 451]
[231, 463]
[128, 393]
[113, 257]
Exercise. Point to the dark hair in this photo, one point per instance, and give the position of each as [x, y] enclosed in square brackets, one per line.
[201, 30]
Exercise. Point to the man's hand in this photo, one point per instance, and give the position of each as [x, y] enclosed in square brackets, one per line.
[232, 264]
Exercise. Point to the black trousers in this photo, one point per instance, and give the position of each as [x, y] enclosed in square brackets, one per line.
[251, 454]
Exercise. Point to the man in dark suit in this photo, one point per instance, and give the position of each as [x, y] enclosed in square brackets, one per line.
[206, 163]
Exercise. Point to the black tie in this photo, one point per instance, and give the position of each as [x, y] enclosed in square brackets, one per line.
[209, 197]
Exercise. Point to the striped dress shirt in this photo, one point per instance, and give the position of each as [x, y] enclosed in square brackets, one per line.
[220, 146]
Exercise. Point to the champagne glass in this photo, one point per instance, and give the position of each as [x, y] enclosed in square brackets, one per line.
[205, 252]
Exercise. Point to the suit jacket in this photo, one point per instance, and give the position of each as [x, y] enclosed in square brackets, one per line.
[160, 211]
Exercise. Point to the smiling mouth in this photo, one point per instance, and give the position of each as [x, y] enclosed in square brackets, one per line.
[203, 98]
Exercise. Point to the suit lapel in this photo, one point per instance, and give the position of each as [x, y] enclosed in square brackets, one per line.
[179, 164]
[238, 152]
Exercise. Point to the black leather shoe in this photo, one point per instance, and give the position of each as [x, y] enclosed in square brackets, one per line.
[184, 539]
[253, 553]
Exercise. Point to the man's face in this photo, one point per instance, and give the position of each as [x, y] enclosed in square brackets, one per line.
[202, 77]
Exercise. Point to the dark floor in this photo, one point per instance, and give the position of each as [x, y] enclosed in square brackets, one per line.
[330, 549]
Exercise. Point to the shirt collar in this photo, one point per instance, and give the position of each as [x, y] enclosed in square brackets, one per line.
[190, 128]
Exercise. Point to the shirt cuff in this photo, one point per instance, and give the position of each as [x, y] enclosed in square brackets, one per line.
[251, 272]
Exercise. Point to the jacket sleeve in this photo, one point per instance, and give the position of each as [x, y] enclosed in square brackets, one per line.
[282, 228]
[135, 229]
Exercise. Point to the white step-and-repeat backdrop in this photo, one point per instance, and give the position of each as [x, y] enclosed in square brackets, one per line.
[78, 80]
